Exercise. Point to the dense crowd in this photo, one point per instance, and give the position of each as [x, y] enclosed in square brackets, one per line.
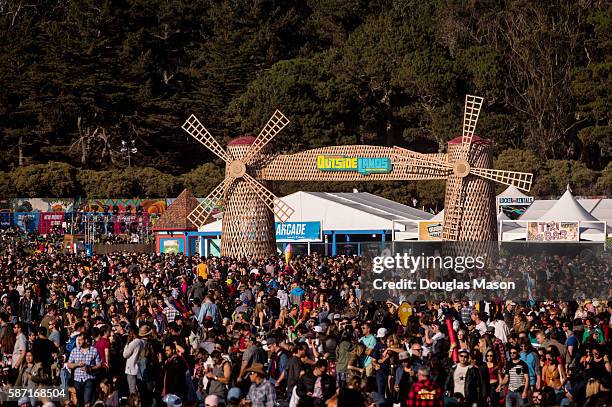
[154, 330]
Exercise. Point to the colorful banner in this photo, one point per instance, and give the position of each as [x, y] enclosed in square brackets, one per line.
[430, 230]
[514, 211]
[27, 221]
[5, 220]
[157, 206]
[553, 231]
[128, 223]
[50, 222]
[298, 231]
[42, 204]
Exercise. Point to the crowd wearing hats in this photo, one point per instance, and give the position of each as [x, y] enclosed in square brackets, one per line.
[154, 330]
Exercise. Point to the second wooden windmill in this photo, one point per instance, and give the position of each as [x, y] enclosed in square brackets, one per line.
[248, 221]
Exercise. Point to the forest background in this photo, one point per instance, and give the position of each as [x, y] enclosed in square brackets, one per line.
[79, 77]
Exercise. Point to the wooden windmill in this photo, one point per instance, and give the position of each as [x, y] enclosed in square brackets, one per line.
[248, 220]
[248, 224]
[469, 198]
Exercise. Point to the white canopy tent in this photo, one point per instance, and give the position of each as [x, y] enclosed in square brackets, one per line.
[566, 209]
[348, 213]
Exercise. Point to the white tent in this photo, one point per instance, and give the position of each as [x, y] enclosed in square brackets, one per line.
[439, 216]
[347, 211]
[512, 192]
[567, 209]
[502, 216]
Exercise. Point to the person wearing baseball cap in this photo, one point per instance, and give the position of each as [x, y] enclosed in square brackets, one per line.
[380, 355]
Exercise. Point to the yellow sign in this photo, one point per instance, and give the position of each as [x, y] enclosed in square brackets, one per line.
[430, 230]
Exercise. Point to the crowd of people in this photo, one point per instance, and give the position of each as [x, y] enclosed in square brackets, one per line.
[154, 330]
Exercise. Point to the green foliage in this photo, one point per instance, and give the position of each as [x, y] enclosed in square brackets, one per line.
[76, 78]
[202, 180]
[604, 182]
[52, 179]
[555, 175]
[518, 160]
[6, 185]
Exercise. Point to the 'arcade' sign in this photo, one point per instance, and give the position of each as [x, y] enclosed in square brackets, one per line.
[363, 165]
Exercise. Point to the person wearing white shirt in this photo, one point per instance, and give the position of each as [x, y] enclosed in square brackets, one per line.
[481, 327]
[501, 328]
[131, 353]
[20, 348]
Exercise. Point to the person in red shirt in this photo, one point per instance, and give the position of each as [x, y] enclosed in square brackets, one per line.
[424, 393]
[102, 344]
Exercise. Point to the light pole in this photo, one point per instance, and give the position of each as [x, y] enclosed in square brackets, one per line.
[129, 149]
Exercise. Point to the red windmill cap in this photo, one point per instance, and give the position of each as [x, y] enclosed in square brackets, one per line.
[475, 140]
[245, 140]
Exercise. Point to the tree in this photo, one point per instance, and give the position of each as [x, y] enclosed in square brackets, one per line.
[592, 88]
[555, 175]
[202, 180]
[604, 182]
[45, 180]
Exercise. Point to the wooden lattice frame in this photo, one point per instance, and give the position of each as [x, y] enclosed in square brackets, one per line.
[469, 208]
[470, 117]
[521, 180]
[248, 222]
[248, 225]
[303, 166]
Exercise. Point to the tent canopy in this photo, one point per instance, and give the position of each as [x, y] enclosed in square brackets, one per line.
[567, 208]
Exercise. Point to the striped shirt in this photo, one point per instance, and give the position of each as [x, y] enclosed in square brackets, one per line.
[91, 358]
[171, 313]
[516, 372]
[466, 313]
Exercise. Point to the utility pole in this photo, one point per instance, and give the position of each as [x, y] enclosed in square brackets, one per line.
[129, 149]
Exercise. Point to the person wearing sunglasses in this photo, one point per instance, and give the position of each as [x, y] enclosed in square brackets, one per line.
[464, 381]
[496, 375]
[517, 379]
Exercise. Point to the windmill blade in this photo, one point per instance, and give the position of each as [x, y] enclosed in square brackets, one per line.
[453, 210]
[201, 213]
[199, 132]
[277, 122]
[282, 211]
[521, 180]
[470, 117]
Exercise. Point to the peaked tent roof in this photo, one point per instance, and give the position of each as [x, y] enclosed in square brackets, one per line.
[175, 217]
[512, 192]
[567, 208]
[439, 216]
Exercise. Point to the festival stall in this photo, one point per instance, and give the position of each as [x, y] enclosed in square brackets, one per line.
[171, 229]
[332, 223]
[565, 220]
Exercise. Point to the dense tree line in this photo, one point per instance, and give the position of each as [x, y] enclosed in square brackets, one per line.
[77, 77]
